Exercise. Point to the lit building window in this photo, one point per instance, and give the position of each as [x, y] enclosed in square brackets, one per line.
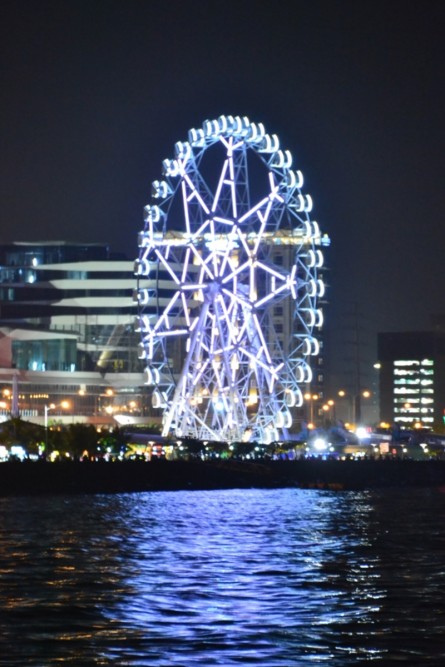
[410, 388]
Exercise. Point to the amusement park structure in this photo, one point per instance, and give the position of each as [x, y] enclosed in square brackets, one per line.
[228, 285]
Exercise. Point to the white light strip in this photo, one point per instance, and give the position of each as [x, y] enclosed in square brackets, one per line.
[172, 332]
[263, 202]
[167, 267]
[239, 270]
[220, 185]
[271, 271]
[224, 221]
[164, 316]
[185, 267]
[195, 193]
[261, 337]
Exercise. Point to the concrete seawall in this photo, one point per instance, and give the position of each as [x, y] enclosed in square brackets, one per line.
[37, 478]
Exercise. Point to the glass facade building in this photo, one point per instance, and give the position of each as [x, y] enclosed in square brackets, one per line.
[67, 332]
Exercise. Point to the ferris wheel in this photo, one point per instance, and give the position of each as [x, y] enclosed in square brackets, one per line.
[228, 285]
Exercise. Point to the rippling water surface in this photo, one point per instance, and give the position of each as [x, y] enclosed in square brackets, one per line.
[276, 578]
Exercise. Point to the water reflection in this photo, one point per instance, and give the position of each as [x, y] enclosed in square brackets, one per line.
[274, 578]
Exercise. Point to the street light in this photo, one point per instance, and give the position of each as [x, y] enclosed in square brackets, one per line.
[355, 403]
[98, 406]
[328, 406]
[311, 398]
[358, 404]
[47, 409]
[64, 404]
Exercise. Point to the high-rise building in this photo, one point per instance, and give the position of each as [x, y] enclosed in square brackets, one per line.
[412, 377]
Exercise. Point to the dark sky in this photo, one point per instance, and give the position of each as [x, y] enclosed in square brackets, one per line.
[95, 94]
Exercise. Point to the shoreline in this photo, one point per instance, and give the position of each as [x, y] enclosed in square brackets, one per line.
[75, 477]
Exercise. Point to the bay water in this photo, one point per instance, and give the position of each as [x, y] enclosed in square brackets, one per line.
[277, 578]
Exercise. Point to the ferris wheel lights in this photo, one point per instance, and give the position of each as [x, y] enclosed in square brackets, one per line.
[143, 239]
[152, 213]
[217, 283]
[160, 189]
[303, 203]
[310, 318]
[307, 229]
[211, 128]
[291, 398]
[152, 375]
[223, 123]
[303, 373]
[279, 420]
[243, 125]
[311, 346]
[325, 241]
[141, 267]
[255, 133]
[294, 179]
[183, 150]
[229, 122]
[143, 296]
[269, 144]
[287, 419]
[315, 258]
[309, 206]
[315, 227]
[281, 159]
[227, 125]
[171, 167]
[220, 244]
[159, 399]
[197, 137]
[315, 288]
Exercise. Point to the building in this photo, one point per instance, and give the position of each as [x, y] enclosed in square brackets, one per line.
[68, 340]
[67, 333]
[412, 377]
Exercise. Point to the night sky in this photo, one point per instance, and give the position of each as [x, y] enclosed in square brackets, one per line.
[95, 94]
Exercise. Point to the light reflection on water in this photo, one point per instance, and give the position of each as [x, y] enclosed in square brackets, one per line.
[278, 578]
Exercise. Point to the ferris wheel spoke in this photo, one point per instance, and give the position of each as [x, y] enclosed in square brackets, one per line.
[261, 338]
[167, 267]
[223, 181]
[193, 194]
[254, 209]
[186, 265]
[237, 272]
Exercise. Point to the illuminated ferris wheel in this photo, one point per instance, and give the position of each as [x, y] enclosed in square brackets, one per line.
[228, 285]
